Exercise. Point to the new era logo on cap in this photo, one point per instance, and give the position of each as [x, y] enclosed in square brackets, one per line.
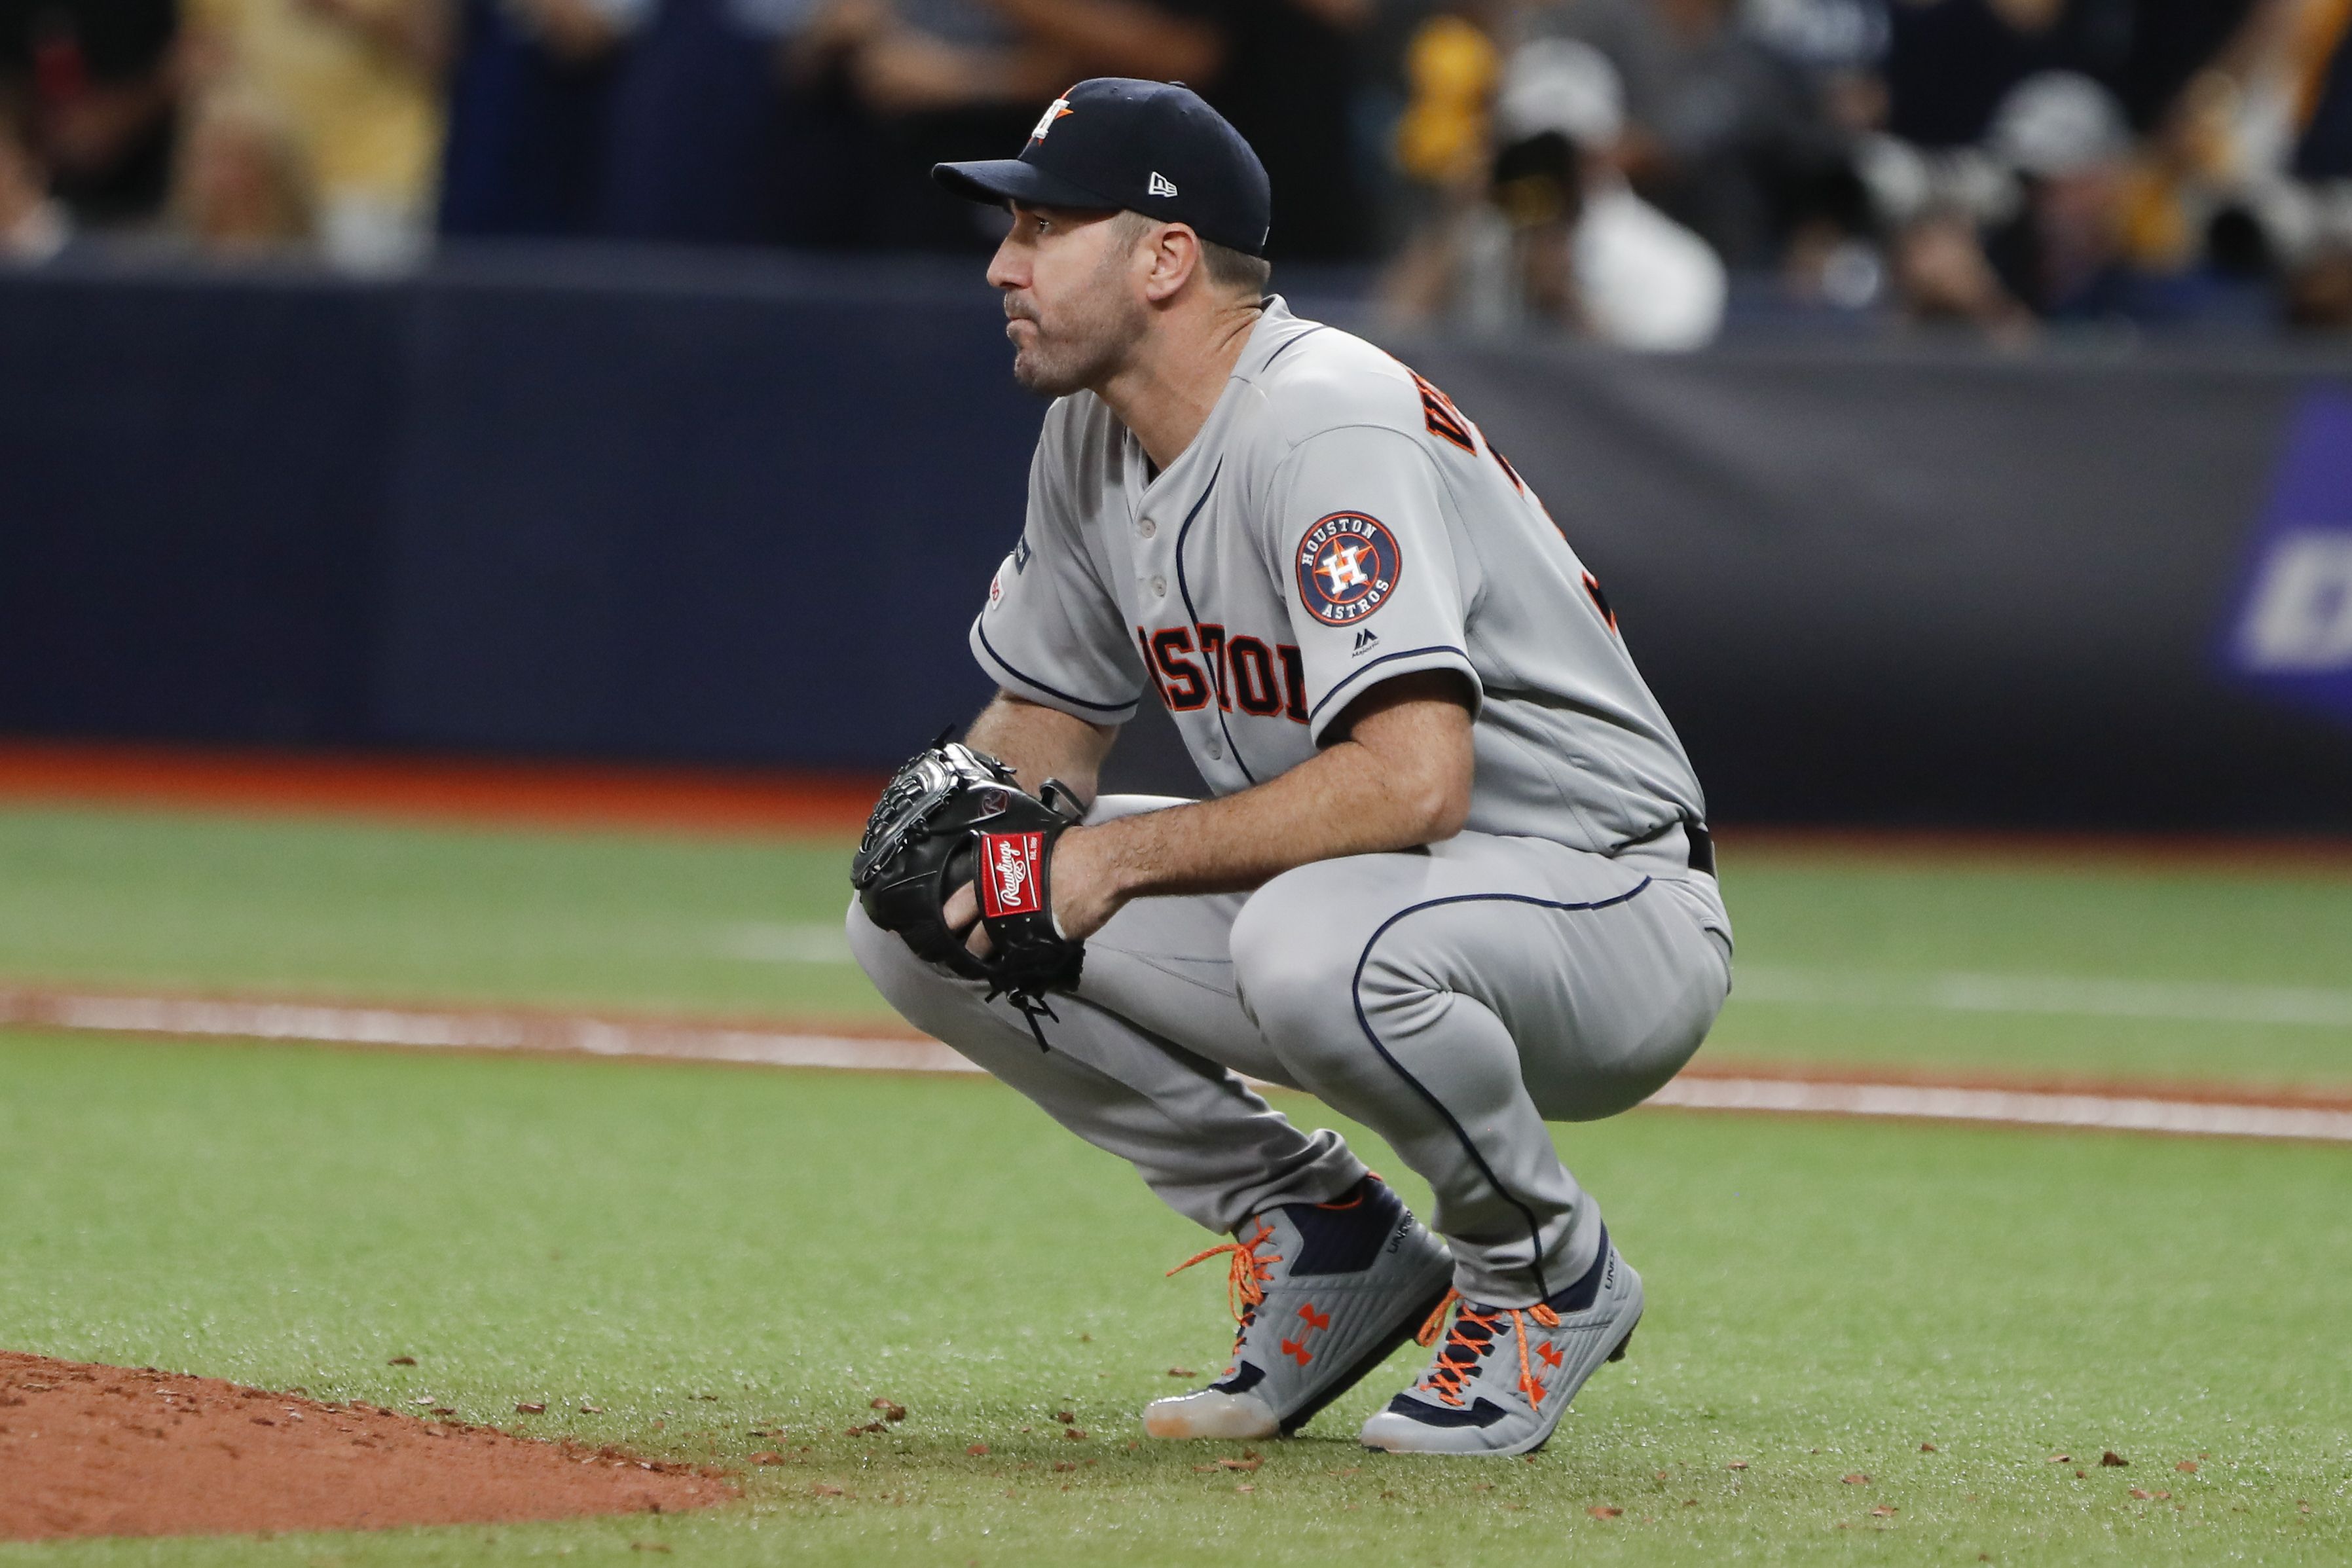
[1159, 185]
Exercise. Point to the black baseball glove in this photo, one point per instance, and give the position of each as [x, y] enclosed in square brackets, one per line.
[950, 816]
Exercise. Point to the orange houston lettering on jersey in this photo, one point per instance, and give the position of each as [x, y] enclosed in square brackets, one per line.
[1260, 676]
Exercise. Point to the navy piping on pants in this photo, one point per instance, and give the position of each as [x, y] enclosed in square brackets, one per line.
[1356, 991]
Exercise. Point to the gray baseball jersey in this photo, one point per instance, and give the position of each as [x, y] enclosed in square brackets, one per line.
[1336, 522]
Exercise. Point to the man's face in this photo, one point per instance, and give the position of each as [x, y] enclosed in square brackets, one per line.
[1071, 302]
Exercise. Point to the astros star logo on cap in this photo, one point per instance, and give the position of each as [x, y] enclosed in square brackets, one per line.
[1054, 111]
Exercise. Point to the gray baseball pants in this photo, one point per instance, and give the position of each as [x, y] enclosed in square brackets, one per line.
[1452, 999]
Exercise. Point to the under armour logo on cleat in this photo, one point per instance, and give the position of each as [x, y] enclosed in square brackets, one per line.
[1294, 1348]
[1549, 1354]
[1161, 185]
[1314, 1319]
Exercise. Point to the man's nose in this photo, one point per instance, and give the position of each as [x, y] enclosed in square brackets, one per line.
[1002, 269]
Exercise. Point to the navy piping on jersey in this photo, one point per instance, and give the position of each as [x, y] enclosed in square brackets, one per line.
[1185, 589]
[1284, 350]
[1384, 658]
[1356, 991]
[1016, 672]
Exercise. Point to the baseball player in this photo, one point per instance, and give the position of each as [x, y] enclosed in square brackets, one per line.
[1453, 878]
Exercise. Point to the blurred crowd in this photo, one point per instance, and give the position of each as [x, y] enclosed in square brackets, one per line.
[1625, 170]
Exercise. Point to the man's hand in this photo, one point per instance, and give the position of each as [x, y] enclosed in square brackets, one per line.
[1085, 895]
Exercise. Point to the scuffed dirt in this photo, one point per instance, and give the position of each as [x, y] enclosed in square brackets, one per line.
[107, 1451]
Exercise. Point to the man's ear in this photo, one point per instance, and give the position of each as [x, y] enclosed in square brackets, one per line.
[1175, 256]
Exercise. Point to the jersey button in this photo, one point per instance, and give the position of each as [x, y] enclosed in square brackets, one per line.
[1147, 528]
[1216, 751]
[1159, 588]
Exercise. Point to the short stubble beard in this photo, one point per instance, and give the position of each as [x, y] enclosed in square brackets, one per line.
[1098, 330]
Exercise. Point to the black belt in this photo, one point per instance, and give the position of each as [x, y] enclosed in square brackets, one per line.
[1701, 842]
[1702, 847]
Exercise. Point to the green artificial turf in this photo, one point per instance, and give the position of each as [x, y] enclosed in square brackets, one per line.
[2009, 965]
[700, 1251]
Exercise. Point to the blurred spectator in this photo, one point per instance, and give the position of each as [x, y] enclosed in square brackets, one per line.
[1736, 140]
[1451, 68]
[529, 99]
[349, 91]
[1841, 43]
[2067, 253]
[1556, 238]
[701, 145]
[919, 82]
[1290, 77]
[97, 77]
[33, 225]
[1941, 276]
[938, 79]
[1950, 63]
[243, 185]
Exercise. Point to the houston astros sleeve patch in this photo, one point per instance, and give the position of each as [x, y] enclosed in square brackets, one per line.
[1349, 564]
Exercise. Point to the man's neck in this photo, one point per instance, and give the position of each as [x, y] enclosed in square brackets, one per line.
[1165, 394]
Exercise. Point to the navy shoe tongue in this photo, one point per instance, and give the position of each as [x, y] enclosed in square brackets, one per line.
[1345, 1240]
[1581, 1296]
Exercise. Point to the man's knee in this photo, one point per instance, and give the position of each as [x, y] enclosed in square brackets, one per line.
[1295, 947]
[919, 991]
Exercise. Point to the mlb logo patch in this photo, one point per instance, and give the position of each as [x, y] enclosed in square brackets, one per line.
[2290, 631]
[1008, 874]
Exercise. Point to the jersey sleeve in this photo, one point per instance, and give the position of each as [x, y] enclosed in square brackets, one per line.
[1051, 632]
[1366, 566]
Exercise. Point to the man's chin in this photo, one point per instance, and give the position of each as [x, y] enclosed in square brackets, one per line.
[1043, 379]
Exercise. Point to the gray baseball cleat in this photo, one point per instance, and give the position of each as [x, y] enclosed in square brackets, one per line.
[1323, 1292]
[1504, 1377]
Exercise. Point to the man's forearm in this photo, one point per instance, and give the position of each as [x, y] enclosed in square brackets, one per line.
[1340, 802]
[1040, 743]
[1397, 777]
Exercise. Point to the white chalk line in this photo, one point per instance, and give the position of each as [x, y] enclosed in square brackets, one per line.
[2014, 1107]
[448, 1030]
[2196, 1001]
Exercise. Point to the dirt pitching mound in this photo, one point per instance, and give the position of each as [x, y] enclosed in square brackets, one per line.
[108, 1451]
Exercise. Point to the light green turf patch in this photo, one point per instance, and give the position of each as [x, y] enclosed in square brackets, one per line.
[716, 1250]
[345, 908]
[2009, 966]
[2105, 970]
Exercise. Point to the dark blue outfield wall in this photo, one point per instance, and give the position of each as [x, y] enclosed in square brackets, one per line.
[741, 510]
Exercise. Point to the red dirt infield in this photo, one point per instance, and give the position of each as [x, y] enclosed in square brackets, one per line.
[89, 1450]
[782, 801]
[700, 800]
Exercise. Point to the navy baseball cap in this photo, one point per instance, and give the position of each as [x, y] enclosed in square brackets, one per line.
[1149, 147]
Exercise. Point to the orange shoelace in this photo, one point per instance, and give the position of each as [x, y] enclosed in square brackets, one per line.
[1246, 1279]
[1447, 1377]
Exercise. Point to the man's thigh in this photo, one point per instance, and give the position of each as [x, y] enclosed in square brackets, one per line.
[1166, 966]
[1601, 969]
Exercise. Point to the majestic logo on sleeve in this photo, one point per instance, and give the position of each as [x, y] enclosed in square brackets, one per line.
[1348, 566]
[1008, 873]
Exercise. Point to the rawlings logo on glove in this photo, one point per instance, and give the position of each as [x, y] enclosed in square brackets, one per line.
[953, 816]
[1011, 886]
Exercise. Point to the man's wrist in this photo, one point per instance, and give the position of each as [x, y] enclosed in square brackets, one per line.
[1107, 866]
